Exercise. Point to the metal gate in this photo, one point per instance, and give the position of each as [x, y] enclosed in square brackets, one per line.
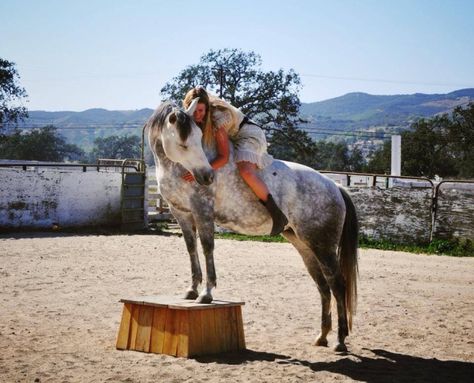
[133, 193]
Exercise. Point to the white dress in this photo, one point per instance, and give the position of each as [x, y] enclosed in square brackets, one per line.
[249, 140]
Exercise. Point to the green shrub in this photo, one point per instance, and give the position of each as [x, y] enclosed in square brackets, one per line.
[442, 247]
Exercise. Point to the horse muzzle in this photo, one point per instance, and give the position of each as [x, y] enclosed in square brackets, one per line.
[204, 176]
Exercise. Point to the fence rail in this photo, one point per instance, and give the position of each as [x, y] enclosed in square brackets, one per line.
[100, 165]
[399, 208]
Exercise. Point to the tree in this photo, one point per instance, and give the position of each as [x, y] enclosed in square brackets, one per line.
[461, 138]
[439, 146]
[119, 147]
[356, 162]
[43, 144]
[269, 98]
[11, 94]
[379, 161]
[426, 149]
[303, 149]
[332, 156]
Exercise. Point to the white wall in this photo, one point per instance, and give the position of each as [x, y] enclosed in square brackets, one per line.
[42, 197]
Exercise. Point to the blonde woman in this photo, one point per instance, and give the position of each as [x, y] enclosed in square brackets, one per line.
[220, 122]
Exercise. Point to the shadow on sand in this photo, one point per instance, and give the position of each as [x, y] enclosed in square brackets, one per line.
[384, 366]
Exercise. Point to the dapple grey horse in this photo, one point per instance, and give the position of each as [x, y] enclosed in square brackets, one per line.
[322, 224]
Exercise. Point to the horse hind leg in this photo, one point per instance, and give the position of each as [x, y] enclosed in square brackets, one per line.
[312, 265]
[325, 293]
[330, 268]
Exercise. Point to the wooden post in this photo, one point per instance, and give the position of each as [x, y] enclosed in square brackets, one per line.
[179, 327]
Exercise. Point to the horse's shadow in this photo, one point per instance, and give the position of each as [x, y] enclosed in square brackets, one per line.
[384, 366]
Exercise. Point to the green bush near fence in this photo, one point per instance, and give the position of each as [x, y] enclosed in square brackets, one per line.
[454, 248]
[256, 238]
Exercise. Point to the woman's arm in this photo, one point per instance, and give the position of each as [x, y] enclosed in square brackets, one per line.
[222, 146]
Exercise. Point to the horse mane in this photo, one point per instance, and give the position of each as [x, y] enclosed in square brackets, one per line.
[159, 116]
[183, 124]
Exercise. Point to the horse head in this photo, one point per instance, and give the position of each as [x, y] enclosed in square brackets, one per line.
[180, 139]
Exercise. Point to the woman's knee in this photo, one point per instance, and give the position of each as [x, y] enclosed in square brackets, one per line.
[246, 169]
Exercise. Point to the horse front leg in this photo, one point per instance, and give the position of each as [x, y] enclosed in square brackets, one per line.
[188, 227]
[206, 235]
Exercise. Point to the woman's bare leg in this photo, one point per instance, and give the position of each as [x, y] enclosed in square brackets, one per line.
[247, 171]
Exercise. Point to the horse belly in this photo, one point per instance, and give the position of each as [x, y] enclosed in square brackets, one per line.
[243, 217]
[236, 208]
[247, 229]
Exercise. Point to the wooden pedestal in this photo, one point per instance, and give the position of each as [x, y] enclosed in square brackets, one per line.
[179, 327]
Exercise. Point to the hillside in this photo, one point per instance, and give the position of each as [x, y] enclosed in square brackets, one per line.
[351, 112]
[82, 128]
[355, 111]
[89, 117]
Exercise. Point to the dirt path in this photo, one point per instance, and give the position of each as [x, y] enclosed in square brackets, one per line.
[60, 313]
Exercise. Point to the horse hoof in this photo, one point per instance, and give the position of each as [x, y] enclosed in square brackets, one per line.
[204, 299]
[191, 294]
[341, 347]
[321, 342]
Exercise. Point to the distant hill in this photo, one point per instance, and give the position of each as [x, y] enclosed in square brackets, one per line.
[88, 117]
[82, 128]
[351, 112]
[355, 111]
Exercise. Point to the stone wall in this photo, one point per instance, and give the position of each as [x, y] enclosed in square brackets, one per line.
[455, 211]
[400, 210]
[43, 197]
[397, 214]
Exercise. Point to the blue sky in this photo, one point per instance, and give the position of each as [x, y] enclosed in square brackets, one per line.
[117, 54]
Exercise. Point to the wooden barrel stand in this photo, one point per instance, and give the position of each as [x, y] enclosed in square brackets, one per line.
[179, 327]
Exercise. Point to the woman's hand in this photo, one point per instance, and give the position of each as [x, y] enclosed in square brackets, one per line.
[188, 177]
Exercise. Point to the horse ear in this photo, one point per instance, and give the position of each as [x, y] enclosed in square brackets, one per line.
[172, 118]
[192, 107]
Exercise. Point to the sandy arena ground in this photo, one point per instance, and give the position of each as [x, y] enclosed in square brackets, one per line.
[60, 312]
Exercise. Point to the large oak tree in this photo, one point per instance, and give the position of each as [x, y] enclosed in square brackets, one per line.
[268, 97]
[12, 95]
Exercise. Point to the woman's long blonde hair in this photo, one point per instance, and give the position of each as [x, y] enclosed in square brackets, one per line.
[212, 102]
[206, 125]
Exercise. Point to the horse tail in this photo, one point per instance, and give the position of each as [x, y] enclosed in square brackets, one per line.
[348, 252]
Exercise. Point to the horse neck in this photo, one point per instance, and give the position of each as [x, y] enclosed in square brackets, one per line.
[164, 162]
